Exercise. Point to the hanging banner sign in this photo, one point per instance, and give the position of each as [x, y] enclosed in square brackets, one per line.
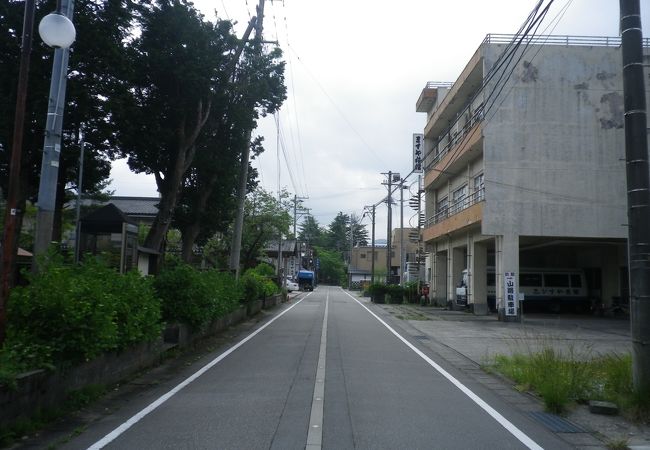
[510, 293]
[418, 147]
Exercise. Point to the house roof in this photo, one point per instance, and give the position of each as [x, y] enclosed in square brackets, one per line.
[137, 206]
[108, 218]
[288, 246]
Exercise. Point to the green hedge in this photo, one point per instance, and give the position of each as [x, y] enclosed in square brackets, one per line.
[195, 298]
[257, 283]
[70, 314]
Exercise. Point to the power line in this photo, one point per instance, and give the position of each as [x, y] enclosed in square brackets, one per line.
[336, 107]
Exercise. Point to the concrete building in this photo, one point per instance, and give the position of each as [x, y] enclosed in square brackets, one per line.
[524, 166]
[360, 267]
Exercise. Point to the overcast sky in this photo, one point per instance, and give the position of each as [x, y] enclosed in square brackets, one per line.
[355, 70]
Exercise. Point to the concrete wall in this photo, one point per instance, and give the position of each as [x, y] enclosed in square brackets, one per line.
[553, 149]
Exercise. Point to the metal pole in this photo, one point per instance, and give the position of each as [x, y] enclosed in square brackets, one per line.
[52, 145]
[10, 237]
[77, 237]
[638, 194]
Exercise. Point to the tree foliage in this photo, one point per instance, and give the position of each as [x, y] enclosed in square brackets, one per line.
[311, 232]
[95, 67]
[264, 219]
[332, 269]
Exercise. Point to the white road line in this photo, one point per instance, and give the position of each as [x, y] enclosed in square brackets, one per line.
[505, 423]
[315, 434]
[162, 399]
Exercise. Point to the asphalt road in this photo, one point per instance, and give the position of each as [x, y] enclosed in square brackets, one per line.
[324, 372]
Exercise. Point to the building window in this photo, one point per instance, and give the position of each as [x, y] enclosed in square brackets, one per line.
[459, 199]
[442, 205]
[362, 255]
[479, 188]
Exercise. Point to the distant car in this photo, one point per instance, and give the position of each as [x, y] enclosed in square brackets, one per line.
[292, 286]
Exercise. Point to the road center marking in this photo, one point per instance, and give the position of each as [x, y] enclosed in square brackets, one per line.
[110, 437]
[505, 423]
[315, 434]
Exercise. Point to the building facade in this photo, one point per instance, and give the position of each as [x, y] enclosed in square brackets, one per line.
[524, 165]
[360, 267]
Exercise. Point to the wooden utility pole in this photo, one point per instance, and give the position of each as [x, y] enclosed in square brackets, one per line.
[638, 193]
[10, 236]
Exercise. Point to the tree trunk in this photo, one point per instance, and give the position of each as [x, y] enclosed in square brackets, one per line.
[170, 186]
[189, 235]
[160, 225]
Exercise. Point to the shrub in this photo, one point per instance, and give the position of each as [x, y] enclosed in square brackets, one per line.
[251, 285]
[70, 314]
[377, 292]
[411, 292]
[396, 293]
[226, 291]
[195, 298]
[257, 283]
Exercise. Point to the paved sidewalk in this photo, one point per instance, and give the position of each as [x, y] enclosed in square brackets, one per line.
[480, 338]
[471, 341]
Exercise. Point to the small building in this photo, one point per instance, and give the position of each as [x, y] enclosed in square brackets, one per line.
[109, 232]
[287, 251]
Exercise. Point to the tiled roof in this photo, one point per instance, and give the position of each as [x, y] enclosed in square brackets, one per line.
[288, 246]
[137, 206]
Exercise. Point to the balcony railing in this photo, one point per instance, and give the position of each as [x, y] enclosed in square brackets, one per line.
[438, 84]
[594, 41]
[455, 208]
[437, 153]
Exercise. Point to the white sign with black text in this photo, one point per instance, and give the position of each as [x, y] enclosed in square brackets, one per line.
[510, 293]
[418, 147]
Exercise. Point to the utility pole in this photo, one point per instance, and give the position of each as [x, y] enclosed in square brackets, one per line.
[52, 145]
[638, 193]
[401, 233]
[389, 225]
[235, 246]
[351, 248]
[372, 240]
[296, 201]
[10, 236]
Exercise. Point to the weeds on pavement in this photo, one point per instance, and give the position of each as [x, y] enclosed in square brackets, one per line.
[562, 374]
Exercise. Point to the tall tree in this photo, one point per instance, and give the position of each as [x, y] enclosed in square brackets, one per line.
[177, 64]
[311, 232]
[337, 234]
[265, 219]
[257, 88]
[359, 231]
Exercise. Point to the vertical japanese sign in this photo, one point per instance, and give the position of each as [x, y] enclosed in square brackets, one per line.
[418, 147]
[511, 293]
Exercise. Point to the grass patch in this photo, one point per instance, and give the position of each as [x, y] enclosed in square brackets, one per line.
[562, 378]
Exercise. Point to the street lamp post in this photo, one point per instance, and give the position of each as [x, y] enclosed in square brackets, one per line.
[56, 30]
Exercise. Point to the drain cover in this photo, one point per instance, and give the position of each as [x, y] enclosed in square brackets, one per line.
[556, 423]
